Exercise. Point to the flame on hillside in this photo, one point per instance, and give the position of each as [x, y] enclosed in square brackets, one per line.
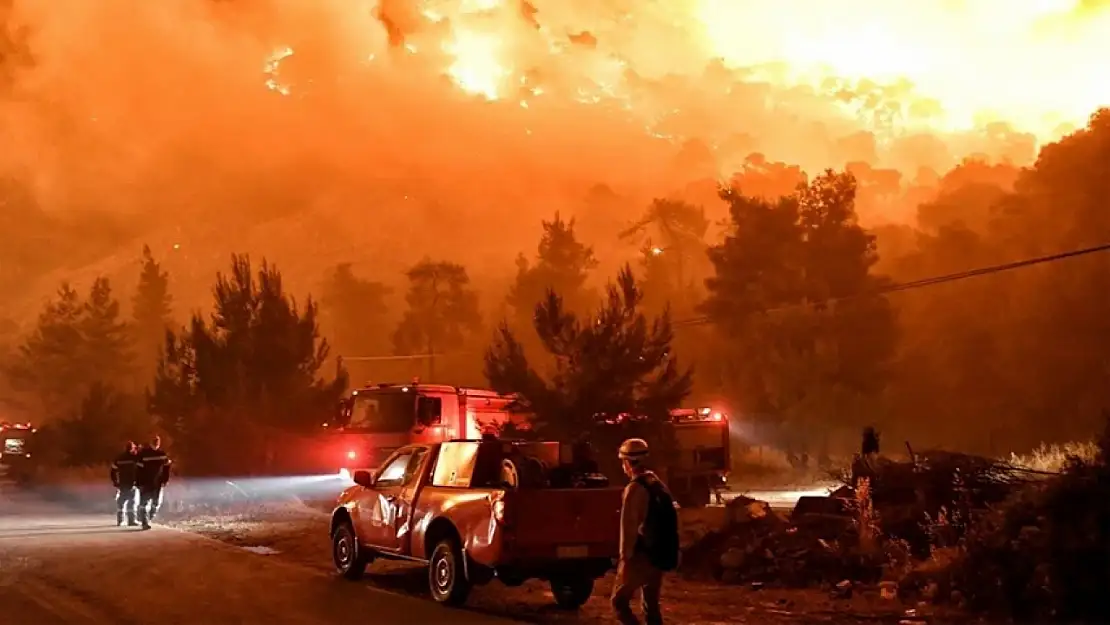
[945, 66]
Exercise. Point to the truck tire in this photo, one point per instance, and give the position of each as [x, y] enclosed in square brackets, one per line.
[572, 593]
[349, 559]
[446, 580]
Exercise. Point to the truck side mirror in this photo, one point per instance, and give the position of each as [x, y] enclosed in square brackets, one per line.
[364, 478]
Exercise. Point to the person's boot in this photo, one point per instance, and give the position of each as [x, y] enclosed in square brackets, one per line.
[119, 519]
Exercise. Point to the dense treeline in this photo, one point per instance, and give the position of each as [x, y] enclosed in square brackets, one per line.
[781, 316]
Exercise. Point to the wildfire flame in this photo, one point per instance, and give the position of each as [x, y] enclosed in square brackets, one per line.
[1031, 63]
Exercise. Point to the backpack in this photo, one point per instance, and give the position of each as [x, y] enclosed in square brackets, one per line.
[659, 540]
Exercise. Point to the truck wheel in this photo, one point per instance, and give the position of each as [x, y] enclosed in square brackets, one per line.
[571, 594]
[445, 574]
[350, 560]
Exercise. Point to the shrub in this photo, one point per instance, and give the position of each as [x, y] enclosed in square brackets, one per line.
[1045, 554]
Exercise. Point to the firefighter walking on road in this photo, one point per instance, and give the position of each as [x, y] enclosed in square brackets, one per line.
[153, 475]
[123, 474]
[649, 537]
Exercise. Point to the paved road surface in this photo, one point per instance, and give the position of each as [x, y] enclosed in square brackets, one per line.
[61, 567]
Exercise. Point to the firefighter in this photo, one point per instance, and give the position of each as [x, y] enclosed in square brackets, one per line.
[124, 469]
[649, 537]
[153, 475]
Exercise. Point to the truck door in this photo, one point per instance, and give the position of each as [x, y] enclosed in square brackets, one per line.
[396, 490]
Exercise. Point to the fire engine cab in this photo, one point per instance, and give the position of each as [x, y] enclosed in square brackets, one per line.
[379, 419]
[14, 439]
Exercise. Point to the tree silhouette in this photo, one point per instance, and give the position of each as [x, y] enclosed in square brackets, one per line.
[354, 310]
[47, 365]
[612, 362]
[442, 311]
[106, 338]
[562, 263]
[151, 312]
[74, 345]
[248, 373]
[795, 349]
[679, 240]
[96, 431]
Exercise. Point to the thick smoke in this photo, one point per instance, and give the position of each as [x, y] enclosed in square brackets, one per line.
[339, 130]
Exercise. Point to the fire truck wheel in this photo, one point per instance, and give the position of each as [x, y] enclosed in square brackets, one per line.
[572, 593]
[446, 580]
[350, 559]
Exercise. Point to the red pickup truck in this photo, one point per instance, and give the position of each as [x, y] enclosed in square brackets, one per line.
[474, 511]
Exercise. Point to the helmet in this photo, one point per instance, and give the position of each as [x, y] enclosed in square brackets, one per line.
[633, 449]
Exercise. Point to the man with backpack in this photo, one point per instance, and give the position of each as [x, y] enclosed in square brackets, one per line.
[649, 537]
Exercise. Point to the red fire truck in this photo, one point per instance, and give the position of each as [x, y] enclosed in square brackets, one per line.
[703, 459]
[378, 419]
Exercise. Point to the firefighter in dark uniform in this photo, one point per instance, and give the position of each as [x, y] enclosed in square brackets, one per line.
[153, 475]
[123, 473]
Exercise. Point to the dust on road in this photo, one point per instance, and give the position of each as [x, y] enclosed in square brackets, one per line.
[57, 566]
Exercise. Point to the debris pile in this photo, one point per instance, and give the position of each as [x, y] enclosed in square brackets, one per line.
[906, 512]
[757, 545]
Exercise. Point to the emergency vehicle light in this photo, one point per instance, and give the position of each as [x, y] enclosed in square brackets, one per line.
[351, 455]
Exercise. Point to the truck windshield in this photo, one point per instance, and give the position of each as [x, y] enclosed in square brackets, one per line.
[383, 412]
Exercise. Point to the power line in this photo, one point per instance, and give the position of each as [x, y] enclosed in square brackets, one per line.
[924, 282]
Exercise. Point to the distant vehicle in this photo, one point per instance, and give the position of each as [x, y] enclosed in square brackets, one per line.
[702, 453]
[15, 452]
[474, 511]
[379, 419]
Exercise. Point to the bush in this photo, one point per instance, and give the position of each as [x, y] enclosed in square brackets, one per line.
[1045, 554]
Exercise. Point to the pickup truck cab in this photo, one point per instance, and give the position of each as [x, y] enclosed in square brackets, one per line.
[474, 511]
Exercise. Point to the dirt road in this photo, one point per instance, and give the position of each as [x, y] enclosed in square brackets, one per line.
[62, 567]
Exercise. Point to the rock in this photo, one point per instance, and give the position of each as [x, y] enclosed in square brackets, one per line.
[842, 590]
[827, 526]
[733, 559]
[830, 506]
[745, 509]
[696, 523]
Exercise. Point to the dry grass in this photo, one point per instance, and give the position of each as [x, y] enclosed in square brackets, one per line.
[1053, 458]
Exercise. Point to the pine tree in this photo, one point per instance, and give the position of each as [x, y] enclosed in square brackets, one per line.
[614, 361]
[106, 339]
[355, 312]
[151, 314]
[562, 263]
[251, 370]
[442, 312]
[816, 361]
[47, 365]
[675, 248]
